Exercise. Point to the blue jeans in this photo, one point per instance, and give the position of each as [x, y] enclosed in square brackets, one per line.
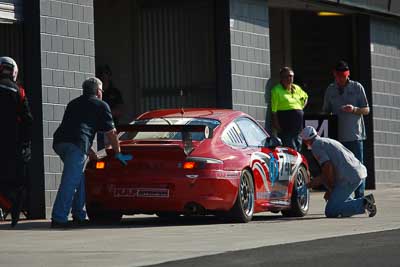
[340, 202]
[292, 140]
[358, 150]
[71, 192]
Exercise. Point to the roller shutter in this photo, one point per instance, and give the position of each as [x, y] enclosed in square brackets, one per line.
[176, 53]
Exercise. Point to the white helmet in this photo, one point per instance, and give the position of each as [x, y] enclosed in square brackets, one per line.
[9, 67]
[308, 133]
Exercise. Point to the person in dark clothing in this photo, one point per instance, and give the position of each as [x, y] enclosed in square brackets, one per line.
[73, 139]
[15, 115]
[112, 96]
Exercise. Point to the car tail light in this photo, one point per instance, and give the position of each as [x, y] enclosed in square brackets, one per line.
[100, 165]
[189, 165]
[192, 163]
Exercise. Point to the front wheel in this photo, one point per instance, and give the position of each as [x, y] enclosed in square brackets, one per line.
[243, 209]
[300, 201]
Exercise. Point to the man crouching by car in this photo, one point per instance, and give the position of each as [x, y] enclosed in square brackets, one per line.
[341, 174]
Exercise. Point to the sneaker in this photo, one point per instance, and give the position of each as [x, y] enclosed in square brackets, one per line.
[59, 225]
[370, 206]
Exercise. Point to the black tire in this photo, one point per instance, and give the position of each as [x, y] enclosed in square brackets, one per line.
[243, 209]
[300, 203]
[103, 217]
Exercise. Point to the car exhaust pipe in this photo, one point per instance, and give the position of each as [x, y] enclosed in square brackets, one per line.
[193, 208]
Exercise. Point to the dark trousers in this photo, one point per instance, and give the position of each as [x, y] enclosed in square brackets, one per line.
[292, 140]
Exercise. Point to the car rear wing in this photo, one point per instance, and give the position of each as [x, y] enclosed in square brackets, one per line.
[186, 131]
[165, 128]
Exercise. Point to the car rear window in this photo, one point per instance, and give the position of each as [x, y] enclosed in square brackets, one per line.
[198, 136]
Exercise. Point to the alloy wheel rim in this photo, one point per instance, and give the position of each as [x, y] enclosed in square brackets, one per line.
[247, 195]
[303, 193]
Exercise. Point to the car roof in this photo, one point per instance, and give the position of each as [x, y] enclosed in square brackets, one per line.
[222, 115]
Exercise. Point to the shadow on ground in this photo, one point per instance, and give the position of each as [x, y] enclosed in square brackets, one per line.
[153, 221]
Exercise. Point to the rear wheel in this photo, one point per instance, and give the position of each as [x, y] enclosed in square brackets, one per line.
[243, 209]
[300, 201]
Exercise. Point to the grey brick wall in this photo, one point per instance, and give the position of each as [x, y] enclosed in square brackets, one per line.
[250, 56]
[67, 58]
[385, 61]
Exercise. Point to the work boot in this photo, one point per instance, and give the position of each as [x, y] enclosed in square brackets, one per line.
[369, 204]
[15, 213]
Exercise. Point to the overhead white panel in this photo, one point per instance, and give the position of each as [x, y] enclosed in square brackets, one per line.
[10, 11]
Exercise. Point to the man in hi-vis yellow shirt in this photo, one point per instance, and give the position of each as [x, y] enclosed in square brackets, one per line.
[287, 103]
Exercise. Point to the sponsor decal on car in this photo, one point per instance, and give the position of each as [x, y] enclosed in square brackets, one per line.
[281, 202]
[268, 195]
[274, 167]
[123, 192]
[263, 195]
[232, 174]
[152, 192]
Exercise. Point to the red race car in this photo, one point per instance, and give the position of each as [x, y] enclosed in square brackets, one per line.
[194, 162]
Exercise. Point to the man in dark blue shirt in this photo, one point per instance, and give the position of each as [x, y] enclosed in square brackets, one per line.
[83, 118]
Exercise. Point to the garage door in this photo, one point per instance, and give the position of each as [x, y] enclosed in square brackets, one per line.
[176, 53]
[10, 11]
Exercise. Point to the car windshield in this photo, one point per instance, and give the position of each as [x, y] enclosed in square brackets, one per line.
[198, 136]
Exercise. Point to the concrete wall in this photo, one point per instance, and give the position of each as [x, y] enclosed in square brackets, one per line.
[67, 58]
[250, 56]
[385, 65]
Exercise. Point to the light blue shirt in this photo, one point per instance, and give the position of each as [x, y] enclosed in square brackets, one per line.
[347, 167]
[350, 126]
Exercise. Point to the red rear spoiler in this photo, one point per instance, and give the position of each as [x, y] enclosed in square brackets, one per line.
[184, 129]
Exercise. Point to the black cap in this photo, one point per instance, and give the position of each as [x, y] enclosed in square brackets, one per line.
[342, 66]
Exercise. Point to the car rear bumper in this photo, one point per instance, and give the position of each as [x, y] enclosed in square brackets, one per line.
[173, 195]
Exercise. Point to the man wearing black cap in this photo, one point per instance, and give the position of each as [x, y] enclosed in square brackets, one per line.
[347, 99]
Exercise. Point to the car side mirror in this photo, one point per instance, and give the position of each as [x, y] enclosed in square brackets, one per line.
[272, 142]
